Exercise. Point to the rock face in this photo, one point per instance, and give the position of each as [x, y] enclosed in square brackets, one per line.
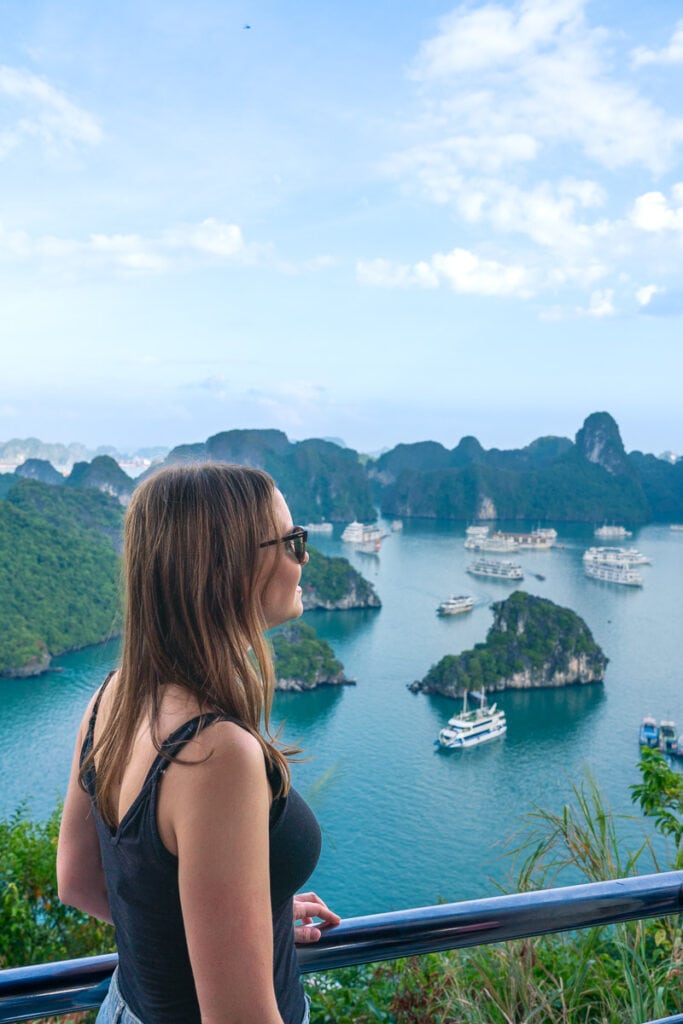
[599, 441]
[104, 474]
[35, 667]
[303, 661]
[532, 643]
[333, 584]
[360, 594]
[42, 470]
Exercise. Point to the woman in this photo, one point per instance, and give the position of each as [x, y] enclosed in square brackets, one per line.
[180, 824]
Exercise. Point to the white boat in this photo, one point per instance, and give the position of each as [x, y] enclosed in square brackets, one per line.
[496, 570]
[396, 525]
[617, 572]
[537, 540]
[456, 605]
[319, 527]
[477, 531]
[612, 556]
[612, 532]
[546, 531]
[676, 526]
[470, 728]
[367, 539]
[493, 542]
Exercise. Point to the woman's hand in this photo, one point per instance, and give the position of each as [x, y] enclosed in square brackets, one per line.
[307, 906]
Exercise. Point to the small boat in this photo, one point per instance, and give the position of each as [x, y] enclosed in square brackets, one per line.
[456, 605]
[668, 743]
[396, 525]
[470, 728]
[648, 736]
[539, 575]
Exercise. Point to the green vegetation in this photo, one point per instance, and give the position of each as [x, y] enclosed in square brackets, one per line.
[58, 574]
[606, 975]
[34, 926]
[333, 581]
[529, 635]
[301, 655]
[319, 479]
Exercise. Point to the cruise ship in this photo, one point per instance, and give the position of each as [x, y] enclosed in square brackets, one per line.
[470, 728]
[319, 527]
[456, 605]
[493, 542]
[610, 556]
[367, 538]
[537, 540]
[615, 572]
[612, 532]
[506, 571]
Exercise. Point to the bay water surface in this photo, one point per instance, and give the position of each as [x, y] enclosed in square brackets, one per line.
[404, 823]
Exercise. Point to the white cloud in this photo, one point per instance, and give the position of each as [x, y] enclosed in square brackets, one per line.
[463, 271]
[511, 96]
[179, 247]
[491, 36]
[671, 54]
[645, 294]
[536, 67]
[653, 212]
[44, 113]
[381, 273]
[601, 303]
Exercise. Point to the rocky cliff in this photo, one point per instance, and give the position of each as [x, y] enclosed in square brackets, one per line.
[333, 584]
[303, 661]
[532, 643]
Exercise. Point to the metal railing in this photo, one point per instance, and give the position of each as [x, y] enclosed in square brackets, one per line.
[71, 985]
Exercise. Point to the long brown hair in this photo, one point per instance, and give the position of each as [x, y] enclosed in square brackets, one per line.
[193, 579]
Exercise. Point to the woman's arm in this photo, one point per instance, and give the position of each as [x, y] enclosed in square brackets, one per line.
[80, 879]
[217, 812]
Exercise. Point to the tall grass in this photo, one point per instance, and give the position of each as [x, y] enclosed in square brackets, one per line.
[608, 975]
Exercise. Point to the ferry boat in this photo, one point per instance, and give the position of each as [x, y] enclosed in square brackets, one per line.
[648, 735]
[612, 532]
[456, 605]
[617, 572]
[477, 531]
[494, 542]
[616, 555]
[668, 743]
[537, 540]
[506, 571]
[319, 527]
[366, 538]
[470, 728]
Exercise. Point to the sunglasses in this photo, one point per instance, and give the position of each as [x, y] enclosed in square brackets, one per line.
[294, 542]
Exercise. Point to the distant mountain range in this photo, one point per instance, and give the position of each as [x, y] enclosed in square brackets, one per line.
[590, 479]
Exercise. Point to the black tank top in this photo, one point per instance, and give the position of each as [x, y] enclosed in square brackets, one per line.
[155, 976]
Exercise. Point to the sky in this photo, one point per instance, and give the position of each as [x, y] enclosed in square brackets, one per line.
[377, 222]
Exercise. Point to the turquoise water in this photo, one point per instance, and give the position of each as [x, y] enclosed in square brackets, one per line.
[404, 823]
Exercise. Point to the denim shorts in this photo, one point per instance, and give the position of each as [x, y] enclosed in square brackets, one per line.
[115, 1010]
